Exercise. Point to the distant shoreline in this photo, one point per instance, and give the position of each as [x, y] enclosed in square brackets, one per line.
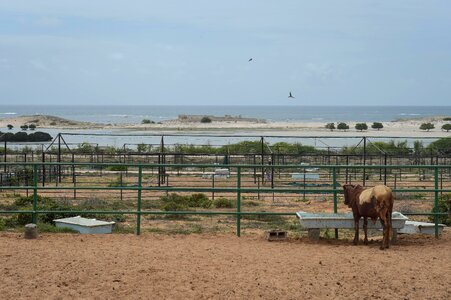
[408, 127]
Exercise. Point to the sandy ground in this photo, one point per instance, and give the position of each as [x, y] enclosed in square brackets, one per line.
[60, 266]
[402, 128]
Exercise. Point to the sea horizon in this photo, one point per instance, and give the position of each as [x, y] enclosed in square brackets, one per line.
[125, 114]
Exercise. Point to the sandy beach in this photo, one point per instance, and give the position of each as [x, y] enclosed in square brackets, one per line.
[398, 128]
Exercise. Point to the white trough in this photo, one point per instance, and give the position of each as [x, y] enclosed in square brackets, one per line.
[85, 226]
[344, 220]
[413, 227]
[313, 222]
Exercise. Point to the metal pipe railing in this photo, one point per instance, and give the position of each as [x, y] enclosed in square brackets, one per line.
[239, 189]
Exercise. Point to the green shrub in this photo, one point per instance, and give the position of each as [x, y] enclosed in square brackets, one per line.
[205, 120]
[147, 121]
[427, 126]
[330, 126]
[446, 127]
[43, 203]
[199, 200]
[377, 125]
[116, 168]
[444, 203]
[174, 202]
[443, 145]
[250, 203]
[2, 224]
[361, 126]
[223, 203]
[447, 119]
[342, 126]
[45, 227]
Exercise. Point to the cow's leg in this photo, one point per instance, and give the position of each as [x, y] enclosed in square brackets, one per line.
[389, 230]
[365, 229]
[356, 236]
[384, 230]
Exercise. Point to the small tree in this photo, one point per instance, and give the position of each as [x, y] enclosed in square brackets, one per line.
[330, 126]
[10, 126]
[147, 121]
[361, 126]
[446, 127]
[205, 120]
[342, 126]
[32, 127]
[142, 147]
[427, 126]
[377, 125]
[24, 127]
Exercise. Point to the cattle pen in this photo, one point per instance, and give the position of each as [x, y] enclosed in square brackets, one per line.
[140, 195]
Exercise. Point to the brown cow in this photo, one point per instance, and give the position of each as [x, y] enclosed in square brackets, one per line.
[374, 203]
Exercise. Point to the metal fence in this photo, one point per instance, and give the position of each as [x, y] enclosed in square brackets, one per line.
[242, 181]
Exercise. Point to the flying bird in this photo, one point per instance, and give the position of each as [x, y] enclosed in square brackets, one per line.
[291, 96]
[250, 59]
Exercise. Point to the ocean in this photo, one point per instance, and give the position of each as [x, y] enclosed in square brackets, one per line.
[135, 114]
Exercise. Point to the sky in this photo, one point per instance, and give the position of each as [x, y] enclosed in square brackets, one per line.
[143, 52]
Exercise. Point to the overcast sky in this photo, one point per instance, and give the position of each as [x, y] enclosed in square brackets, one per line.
[352, 52]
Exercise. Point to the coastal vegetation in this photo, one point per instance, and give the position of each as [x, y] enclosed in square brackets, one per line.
[10, 126]
[147, 121]
[427, 126]
[361, 126]
[330, 126]
[377, 125]
[342, 126]
[37, 136]
[446, 127]
[205, 120]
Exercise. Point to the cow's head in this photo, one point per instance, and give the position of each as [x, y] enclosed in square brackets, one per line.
[347, 191]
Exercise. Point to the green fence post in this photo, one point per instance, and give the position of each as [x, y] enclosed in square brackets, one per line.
[238, 202]
[436, 210]
[334, 184]
[35, 193]
[138, 216]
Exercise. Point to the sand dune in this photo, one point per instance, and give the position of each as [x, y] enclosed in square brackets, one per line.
[399, 128]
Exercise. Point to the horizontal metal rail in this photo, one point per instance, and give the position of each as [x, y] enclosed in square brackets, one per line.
[239, 189]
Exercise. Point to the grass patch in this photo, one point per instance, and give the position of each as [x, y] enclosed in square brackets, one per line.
[119, 228]
[223, 203]
[250, 203]
[45, 227]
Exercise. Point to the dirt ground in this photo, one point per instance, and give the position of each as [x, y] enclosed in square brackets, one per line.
[151, 266]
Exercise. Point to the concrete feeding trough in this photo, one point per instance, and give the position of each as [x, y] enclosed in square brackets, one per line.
[413, 227]
[306, 176]
[85, 226]
[313, 222]
[222, 173]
